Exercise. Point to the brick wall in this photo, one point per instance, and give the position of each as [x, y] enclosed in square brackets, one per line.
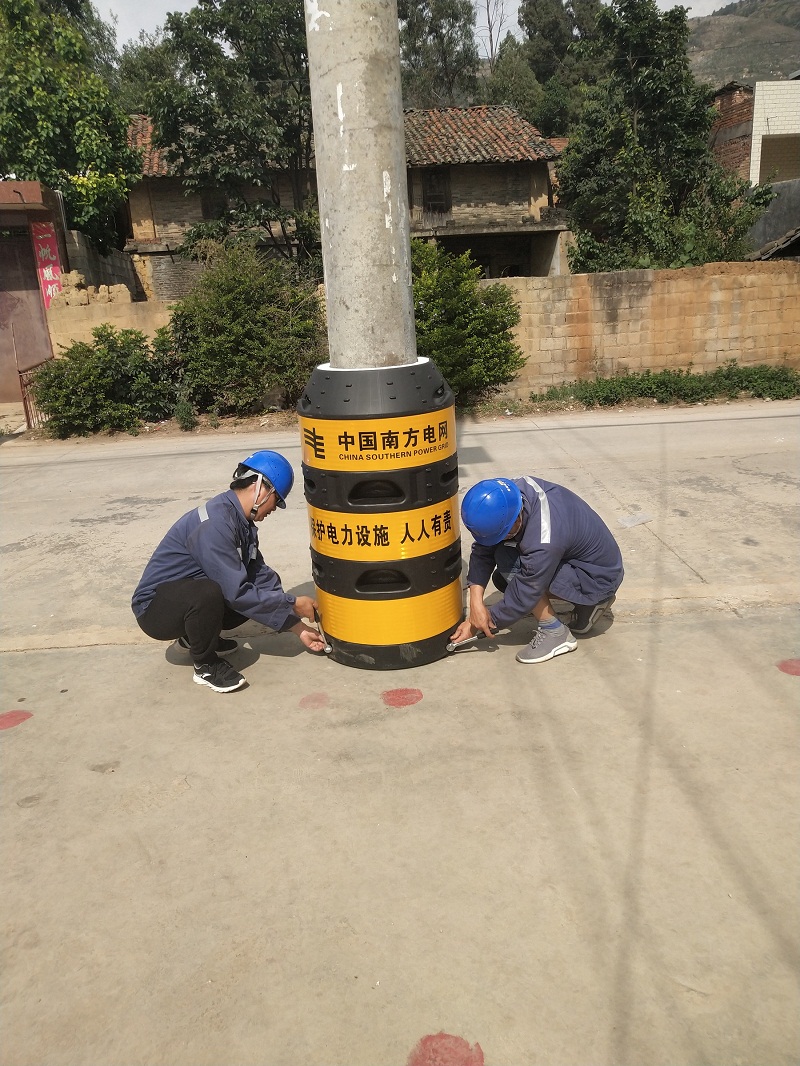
[732, 131]
[170, 277]
[586, 325]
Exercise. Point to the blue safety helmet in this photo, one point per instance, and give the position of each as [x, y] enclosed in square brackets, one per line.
[272, 466]
[490, 510]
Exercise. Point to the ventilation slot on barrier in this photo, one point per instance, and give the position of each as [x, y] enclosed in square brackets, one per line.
[378, 582]
[452, 565]
[378, 492]
[450, 478]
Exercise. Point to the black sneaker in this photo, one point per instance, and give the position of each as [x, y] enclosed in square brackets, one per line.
[586, 615]
[224, 644]
[219, 675]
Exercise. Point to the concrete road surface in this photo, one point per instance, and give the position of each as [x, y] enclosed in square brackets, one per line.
[592, 861]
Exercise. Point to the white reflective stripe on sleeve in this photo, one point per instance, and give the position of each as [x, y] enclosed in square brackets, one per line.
[202, 512]
[544, 507]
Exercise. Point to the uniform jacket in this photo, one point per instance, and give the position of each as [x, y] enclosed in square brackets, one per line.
[217, 541]
[563, 545]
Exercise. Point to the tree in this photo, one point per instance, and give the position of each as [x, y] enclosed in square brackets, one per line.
[248, 327]
[637, 177]
[553, 31]
[238, 114]
[439, 57]
[59, 123]
[512, 81]
[493, 18]
[144, 64]
[465, 328]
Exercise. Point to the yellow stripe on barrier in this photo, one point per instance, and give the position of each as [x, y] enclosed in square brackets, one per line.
[364, 444]
[391, 622]
[400, 535]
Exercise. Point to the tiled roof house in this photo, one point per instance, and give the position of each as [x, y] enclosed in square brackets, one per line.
[479, 179]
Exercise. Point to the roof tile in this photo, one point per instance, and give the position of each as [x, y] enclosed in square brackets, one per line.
[486, 134]
[140, 135]
[436, 137]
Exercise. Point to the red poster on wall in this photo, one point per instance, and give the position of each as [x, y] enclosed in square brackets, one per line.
[48, 261]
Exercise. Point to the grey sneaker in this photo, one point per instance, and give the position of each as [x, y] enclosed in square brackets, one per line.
[546, 644]
[585, 615]
[219, 675]
[224, 644]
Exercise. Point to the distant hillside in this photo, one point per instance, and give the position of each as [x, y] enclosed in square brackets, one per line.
[787, 12]
[748, 41]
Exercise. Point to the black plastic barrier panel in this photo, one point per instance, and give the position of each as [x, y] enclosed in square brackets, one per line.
[380, 472]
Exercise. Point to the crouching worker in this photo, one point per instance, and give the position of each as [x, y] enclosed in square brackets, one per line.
[539, 540]
[207, 574]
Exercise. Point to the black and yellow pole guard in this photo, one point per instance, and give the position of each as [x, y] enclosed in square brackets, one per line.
[380, 471]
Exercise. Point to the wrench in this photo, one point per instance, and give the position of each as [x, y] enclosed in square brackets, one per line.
[463, 643]
[327, 649]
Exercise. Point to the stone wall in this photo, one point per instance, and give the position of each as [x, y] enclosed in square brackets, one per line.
[115, 268]
[587, 325]
[582, 326]
[68, 324]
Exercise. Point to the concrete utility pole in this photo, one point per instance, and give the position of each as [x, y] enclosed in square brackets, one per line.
[380, 466]
[357, 105]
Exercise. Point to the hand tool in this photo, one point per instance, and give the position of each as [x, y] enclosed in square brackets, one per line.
[327, 649]
[463, 643]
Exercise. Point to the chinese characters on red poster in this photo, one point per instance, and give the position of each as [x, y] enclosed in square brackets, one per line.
[48, 261]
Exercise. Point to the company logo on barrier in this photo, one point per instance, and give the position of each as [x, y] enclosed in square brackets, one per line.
[378, 443]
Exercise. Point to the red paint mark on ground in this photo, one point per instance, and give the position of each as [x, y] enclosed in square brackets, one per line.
[8, 719]
[790, 666]
[445, 1050]
[315, 700]
[401, 697]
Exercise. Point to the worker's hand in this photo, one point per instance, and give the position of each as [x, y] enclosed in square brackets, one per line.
[304, 606]
[309, 637]
[480, 619]
[464, 632]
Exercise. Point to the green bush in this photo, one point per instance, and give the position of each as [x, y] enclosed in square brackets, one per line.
[251, 325]
[185, 414]
[680, 386]
[464, 328]
[114, 383]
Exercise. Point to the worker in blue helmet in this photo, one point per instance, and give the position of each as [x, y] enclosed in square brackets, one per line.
[537, 540]
[208, 574]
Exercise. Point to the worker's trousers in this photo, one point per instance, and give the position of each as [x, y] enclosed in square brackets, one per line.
[194, 609]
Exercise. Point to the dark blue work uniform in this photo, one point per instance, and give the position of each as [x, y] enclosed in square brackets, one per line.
[208, 574]
[564, 547]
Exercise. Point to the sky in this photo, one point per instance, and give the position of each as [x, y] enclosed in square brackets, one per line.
[135, 15]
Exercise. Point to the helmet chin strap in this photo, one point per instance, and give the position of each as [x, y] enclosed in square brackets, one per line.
[254, 509]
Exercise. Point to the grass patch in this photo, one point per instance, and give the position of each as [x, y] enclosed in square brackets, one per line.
[730, 381]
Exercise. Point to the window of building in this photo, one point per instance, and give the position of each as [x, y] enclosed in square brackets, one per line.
[436, 191]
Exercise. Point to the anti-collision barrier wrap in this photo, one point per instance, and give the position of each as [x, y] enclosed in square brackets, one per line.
[380, 472]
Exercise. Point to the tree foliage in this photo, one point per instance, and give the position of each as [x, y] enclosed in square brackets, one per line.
[512, 82]
[248, 327]
[238, 113]
[465, 328]
[637, 177]
[439, 56]
[554, 30]
[59, 122]
[144, 64]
